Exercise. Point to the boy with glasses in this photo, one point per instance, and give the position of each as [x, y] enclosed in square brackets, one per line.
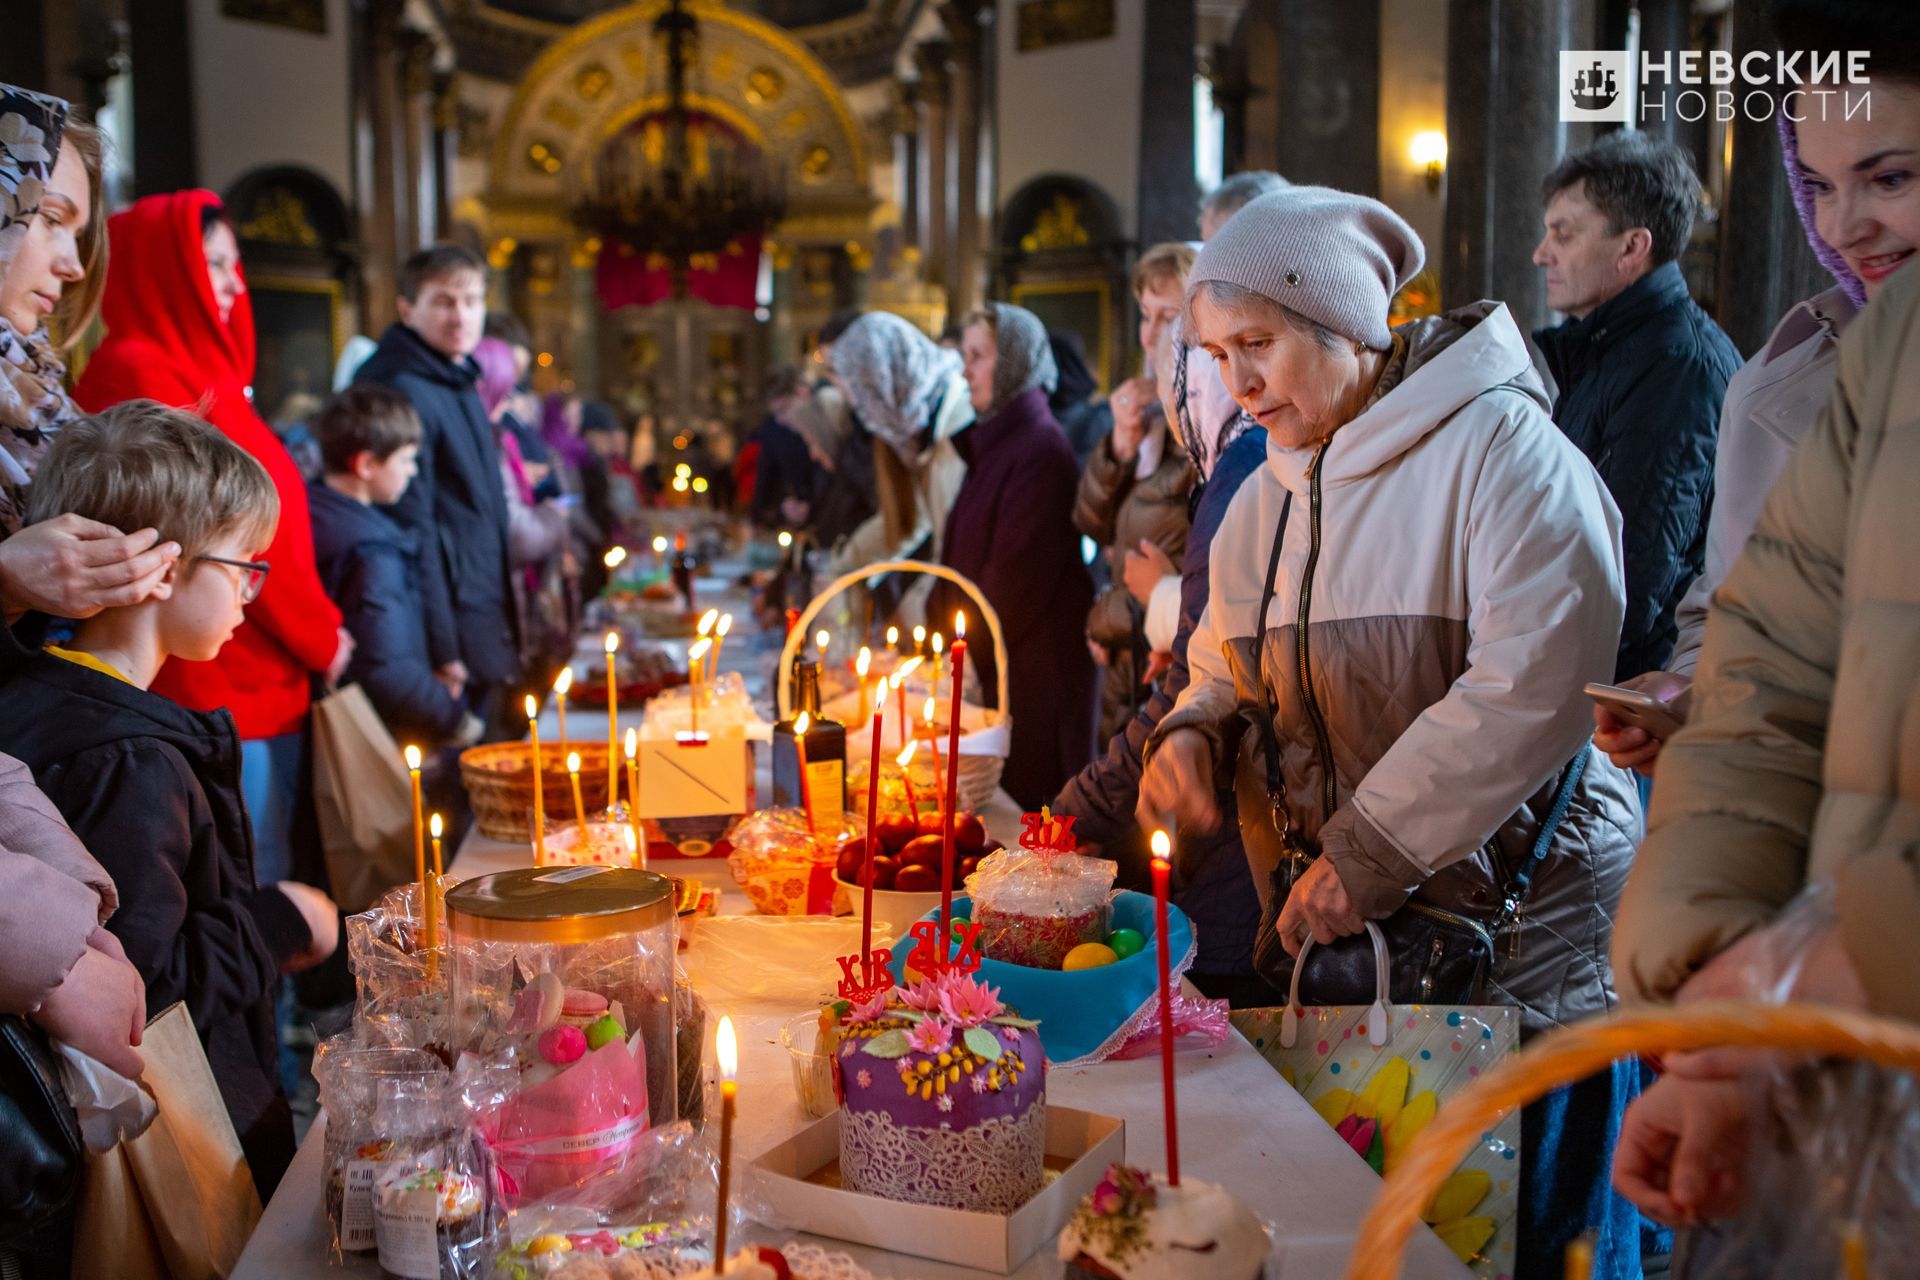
[152, 788]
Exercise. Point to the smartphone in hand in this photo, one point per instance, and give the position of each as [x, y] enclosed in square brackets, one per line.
[1642, 710]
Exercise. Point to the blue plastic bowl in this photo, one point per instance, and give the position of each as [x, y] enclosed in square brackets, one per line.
[1078, 1012]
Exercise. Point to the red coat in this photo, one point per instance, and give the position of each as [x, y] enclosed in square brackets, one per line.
[165, 342]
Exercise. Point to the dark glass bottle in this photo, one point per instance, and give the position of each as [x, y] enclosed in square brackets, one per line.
[683, 569]
[826, 754]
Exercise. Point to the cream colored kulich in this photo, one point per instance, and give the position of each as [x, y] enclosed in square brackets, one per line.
[1195, 1231]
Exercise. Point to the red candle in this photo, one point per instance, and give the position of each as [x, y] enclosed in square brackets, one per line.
[953, 785]
[1162, 873]
[873, 842]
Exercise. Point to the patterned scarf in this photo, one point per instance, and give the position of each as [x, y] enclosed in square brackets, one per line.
[1023, 357]
[893, 376]
[33, 396]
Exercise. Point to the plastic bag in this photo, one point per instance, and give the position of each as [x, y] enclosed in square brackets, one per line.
[1197, 1024]
[108, 1106]
[1033, 908]
[435, 1215]
[725, 708]
[786, 867]
[357, 1148]
[690, 1037]
[397, 1000]
[774, 961]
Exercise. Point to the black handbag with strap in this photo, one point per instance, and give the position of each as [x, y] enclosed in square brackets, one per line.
[1437, 956]
[42, 1154]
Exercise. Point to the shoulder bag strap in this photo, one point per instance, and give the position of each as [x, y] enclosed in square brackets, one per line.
[1517, 885]
[1270, 745]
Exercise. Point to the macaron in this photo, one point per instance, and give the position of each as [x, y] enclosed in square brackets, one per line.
[562, 1045]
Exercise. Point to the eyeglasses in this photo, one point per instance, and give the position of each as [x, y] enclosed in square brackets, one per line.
[253, 575]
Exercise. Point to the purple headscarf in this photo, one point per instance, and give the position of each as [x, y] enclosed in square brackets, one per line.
[1830, 257]
[560, 437]
[497, 372]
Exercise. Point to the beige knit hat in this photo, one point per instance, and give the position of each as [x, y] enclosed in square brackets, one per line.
[1333, 257]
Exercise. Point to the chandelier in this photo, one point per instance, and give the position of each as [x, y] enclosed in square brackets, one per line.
[679, 186]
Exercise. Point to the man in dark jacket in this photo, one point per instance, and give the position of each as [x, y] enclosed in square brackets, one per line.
[456, 507]
[1641, 369]
[1213, 885]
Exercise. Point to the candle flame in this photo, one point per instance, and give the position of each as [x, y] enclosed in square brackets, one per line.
[786, 539]
[863, 663]
[533, 708]
[633, 744]
[801, 723]
[707, 620]
[820, 638]
[563, 681]
[573, 762]
[919, 635]
[659, 544]
[905, 758]
[699, 649]
[1162, 847]
[726, 1051]
[906, 669]
[435, 827]
[939, 642]
[959, 625]
[613, 641]
[615, 557]
[724, 625]
[893, 636]
[413, 755]
[929, 709]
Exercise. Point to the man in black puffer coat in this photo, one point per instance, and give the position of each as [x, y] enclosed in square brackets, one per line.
[1641, 369]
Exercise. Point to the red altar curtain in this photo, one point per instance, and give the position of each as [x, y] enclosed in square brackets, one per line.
[627, 277]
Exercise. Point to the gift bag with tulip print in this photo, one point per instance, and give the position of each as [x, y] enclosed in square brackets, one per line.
[1378, 1073]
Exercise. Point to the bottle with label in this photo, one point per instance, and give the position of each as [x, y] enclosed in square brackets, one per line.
[826, 745]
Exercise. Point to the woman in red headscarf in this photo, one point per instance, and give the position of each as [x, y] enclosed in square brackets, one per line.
[180, 331]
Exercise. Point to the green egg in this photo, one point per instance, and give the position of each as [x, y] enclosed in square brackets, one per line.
[604, 1031]
[1127, 942]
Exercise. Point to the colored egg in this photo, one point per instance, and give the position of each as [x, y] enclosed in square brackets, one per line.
[552, 1242]
[1127, 942]
[604, 1031]
[1088, 955]
[563, 1044]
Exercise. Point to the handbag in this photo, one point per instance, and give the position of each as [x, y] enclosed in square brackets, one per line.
[363, 800]
[1433, 956]
[42, 1154]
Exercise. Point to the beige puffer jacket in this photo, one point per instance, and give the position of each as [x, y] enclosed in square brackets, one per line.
[1801, 762]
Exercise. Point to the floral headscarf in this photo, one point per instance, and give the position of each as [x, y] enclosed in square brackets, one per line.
[1024, 357]
[893, 375]
[33, 396]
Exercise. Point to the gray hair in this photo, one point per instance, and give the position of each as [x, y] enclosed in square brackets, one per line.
[1239, 190]
[1239, 299]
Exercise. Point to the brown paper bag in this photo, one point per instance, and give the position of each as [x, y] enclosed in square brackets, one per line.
[178, 1202]
[364, 798]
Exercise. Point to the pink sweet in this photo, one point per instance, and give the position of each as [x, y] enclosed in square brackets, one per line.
[563, 1044]
[583, 1004]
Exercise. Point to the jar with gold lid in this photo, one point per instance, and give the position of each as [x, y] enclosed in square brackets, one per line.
[565, 975]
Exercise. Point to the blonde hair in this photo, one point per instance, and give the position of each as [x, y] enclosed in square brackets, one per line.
[1171, 260]
[80, 304]
[142, 465]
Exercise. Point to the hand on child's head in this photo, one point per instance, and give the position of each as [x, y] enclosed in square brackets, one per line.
[72, 567]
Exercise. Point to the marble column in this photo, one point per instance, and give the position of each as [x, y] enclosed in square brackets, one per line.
[1329, 100]
[931, 57]
[379, 200]
[783, 344]
[1167, 195]
[904, 122]
[1503, 135]
[446, 143]
[416, 82]
[963, 18]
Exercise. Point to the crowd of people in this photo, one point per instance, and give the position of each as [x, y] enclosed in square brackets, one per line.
[1324, 591]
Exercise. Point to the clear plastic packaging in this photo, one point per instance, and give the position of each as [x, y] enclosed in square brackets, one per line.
[771, 963]
[357, 1146]
[433, 1212]
[725, 708]
[1197, 1024]
[563, 983]
[785, 867]
[1033, 908]
[399, 998]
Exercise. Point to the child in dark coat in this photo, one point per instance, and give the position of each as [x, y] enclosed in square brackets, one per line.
[152, 788]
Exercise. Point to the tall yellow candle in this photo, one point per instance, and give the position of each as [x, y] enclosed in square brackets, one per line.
[726, 1052]
[573, 777]
[539, 786]
[720, 630]
[633, 799]
[919, 640]
[419, 828]
[562, 684]
[708, 621]
[820, 641]
[861, 665]
[613, 722]
[694, 657]
[938, 643]
[436, 904]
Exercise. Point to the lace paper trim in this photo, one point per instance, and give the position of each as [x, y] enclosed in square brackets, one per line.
[993, 1167]
[1136, 1020]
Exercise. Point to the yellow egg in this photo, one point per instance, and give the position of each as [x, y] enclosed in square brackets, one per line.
[1088, 955]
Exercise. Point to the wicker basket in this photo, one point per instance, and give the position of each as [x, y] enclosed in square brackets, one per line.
[1576, 1052]
[979, 771]
[499, 782]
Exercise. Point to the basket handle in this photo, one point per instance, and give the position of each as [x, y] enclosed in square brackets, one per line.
[804, 627]
[1572, 1053]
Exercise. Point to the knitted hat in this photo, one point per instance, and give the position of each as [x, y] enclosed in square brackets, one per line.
[1333, 257]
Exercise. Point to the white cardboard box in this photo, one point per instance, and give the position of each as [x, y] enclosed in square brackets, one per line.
[1080, 1144]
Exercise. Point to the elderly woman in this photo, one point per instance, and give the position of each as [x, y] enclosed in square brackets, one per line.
[1011, 531]
[1410, 593]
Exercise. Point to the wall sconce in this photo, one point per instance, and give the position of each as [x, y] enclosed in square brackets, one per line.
[1429, 150]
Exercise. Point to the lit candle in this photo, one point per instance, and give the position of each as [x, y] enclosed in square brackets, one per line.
[726, 1052]
[953, 783]
[938, 643]
[573, 776]
[720, 630]
[539, 786]
[705, 632]
[933, 737]
[1162, 873]
[820, 641]
[633, 798]
[615, 557]
[801, 723]
[873, 837]
[694, 655]
[419, 825]
[919, 640]
[898, 682]
[562, 683]
[613, 722]
[659, 550]
[1579, 1261]
[893, 638]
[435, 904]
[861, 665]
[905, 761]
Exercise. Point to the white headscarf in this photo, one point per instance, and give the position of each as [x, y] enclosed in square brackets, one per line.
[893, 376]
[1023, 357]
